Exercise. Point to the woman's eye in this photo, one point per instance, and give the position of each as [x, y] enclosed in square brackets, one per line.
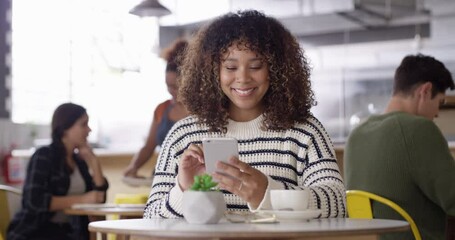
[230, 68]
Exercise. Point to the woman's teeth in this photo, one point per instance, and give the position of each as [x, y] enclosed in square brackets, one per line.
[243, 91]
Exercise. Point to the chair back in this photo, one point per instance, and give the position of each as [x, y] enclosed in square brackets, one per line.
[359, 206]
[10, 203]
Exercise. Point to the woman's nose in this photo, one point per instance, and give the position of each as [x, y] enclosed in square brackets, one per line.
[242, 75]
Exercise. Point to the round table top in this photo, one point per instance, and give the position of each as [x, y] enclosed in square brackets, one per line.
[127, 210]
[179, 228]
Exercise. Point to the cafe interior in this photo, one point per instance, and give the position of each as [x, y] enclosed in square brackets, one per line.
[105, 55]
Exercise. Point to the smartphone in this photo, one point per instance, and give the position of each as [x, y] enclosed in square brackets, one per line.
[218, 149]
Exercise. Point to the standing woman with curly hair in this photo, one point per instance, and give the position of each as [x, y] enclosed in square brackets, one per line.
[245, 76]
[166, 113]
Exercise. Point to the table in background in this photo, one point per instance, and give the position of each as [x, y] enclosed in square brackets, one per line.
[311, 229]
[122, 210]
[97, 212]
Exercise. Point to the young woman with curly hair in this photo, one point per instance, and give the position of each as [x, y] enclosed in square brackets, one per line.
[245, 76]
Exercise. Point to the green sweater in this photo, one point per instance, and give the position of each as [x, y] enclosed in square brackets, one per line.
[406, 159]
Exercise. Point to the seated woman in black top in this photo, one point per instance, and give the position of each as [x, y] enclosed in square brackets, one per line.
[59, 175]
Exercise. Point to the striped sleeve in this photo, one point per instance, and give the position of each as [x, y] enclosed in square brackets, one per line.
[164, 197]
[316, 169]
[322, 174]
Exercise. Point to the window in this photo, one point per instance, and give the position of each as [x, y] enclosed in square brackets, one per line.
[90, 52]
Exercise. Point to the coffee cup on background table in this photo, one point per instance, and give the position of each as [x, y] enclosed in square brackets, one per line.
[290, 200]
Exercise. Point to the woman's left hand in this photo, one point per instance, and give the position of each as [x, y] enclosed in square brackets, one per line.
[242, 180]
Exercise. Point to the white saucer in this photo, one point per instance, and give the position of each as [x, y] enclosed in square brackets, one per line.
[136, 182]
[293, 215]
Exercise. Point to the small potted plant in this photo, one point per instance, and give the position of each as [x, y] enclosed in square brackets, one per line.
[203, 203]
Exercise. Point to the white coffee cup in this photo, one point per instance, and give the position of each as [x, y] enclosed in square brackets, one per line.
[296, 200]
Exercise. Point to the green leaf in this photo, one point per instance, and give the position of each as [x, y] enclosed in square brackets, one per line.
[203, 183]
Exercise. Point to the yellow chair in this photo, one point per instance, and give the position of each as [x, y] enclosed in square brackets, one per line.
[359, 206]
[10, 199]
[127, 198]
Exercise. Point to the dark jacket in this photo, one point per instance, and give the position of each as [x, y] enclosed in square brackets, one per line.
[47, 176]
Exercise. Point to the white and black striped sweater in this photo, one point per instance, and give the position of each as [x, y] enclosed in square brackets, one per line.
[302, 156]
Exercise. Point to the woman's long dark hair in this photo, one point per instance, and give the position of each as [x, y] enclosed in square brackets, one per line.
[64, 118]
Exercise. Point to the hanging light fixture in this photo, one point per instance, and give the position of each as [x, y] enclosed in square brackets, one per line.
[150, 8]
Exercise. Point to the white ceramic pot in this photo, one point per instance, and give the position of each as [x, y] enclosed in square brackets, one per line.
[203, 207]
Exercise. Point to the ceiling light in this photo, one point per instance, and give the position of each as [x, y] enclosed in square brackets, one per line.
[150, 8]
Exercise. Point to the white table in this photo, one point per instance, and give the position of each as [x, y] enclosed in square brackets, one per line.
[103, 209]
[316, 228]
[97, 212]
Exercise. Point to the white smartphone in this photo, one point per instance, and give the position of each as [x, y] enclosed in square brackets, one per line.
[218, 149]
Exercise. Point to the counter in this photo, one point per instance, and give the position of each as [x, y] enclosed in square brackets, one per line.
[113, 163]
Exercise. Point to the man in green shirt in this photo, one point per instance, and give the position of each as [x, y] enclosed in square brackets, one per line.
[402, 155]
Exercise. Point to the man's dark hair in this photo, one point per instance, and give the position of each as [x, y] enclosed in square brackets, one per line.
[415, 70]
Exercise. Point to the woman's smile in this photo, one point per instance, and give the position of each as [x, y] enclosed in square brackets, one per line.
[244, 92]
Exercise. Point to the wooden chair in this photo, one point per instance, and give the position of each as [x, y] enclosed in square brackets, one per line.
[359, 206]
[10, 202]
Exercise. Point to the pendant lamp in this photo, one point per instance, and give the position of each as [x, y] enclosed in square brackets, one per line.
[150, 8]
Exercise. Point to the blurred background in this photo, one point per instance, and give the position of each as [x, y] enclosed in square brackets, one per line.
[104, 54]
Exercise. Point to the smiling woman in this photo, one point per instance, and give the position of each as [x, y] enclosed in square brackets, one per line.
[245, 76]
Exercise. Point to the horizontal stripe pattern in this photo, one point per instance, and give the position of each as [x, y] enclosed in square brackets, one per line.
[302, 156]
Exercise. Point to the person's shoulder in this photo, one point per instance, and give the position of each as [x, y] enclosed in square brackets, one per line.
[189, 123]
[413, 121]
[43, 151]
[186, 129]
[311, 123]
[312, 128]
[191, 119]
[43, 156]
[161, 108]
[163, 105]
[415, 126]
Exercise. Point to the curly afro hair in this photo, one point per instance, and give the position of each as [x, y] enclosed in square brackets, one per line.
[289, 97]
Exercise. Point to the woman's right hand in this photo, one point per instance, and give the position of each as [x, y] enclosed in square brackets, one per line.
[191, 164]
[131, 171]
[94, 197]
